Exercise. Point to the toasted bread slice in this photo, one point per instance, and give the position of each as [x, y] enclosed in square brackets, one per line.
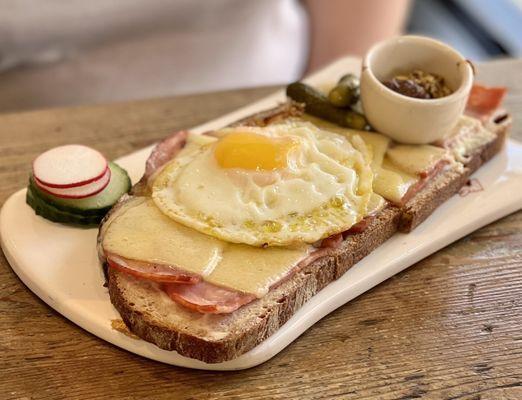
[213, 338]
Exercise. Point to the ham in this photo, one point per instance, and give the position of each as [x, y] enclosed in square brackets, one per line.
[333, 241]
[161, 154]
[207, 298]
[484, 100]
[425, 177]
[165, 151]
[152, 271]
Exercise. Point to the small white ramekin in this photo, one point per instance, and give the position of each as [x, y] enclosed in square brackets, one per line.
[406, 119]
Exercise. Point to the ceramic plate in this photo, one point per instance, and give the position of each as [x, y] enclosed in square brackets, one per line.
[59, 263]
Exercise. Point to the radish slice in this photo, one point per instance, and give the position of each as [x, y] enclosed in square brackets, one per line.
[78, 192]
[69, 166]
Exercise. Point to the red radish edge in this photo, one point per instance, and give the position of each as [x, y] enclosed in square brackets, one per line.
[74, 184]
[106, 178]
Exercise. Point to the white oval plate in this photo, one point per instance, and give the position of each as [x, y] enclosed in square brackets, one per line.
[59, 263]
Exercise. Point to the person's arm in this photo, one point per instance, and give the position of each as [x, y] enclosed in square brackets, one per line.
[340, 27]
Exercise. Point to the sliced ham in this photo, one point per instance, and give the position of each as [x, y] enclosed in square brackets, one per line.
[333, 241]
[484, 100]
[162, 153]
[310, 258]
[165, 151]
[207, 298]
[151, 271]
[439, 166]
[425, 177]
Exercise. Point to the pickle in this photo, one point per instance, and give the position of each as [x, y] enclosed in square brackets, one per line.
[351, 80]
[317, 104]
[346, 92]
[341, 96]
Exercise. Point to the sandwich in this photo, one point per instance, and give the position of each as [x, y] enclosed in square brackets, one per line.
[230, 232]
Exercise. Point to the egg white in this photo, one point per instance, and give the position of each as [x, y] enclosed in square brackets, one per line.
[325, 189]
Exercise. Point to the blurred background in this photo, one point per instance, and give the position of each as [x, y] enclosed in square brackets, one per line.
[73, 52]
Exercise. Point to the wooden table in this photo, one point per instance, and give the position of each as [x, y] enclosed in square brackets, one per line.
[448, 328]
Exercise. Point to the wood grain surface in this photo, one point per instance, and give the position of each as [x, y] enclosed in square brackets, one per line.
[449, 327]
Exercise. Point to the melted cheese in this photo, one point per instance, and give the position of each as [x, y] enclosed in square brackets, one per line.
[415, 159]
[142, 232]
[392, 183]
[252, 269]
[199, 139]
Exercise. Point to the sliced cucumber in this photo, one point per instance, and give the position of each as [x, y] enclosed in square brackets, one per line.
[97, 205]
[50, 212]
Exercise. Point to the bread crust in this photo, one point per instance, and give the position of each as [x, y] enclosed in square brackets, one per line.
[254, 322]
[436, 192]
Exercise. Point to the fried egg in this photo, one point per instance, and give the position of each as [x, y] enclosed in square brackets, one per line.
[278, 185]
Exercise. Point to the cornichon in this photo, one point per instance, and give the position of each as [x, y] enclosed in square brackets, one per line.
[346, 92]
[317, 104]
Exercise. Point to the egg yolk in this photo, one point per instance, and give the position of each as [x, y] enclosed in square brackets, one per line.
[253, 152]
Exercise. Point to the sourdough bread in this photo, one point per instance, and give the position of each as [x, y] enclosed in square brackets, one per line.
[213, 338]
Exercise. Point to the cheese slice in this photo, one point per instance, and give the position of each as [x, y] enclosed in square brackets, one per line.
[389, 181]
[254, 270]
[416, 159]
[142, 232]
[392, 183]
